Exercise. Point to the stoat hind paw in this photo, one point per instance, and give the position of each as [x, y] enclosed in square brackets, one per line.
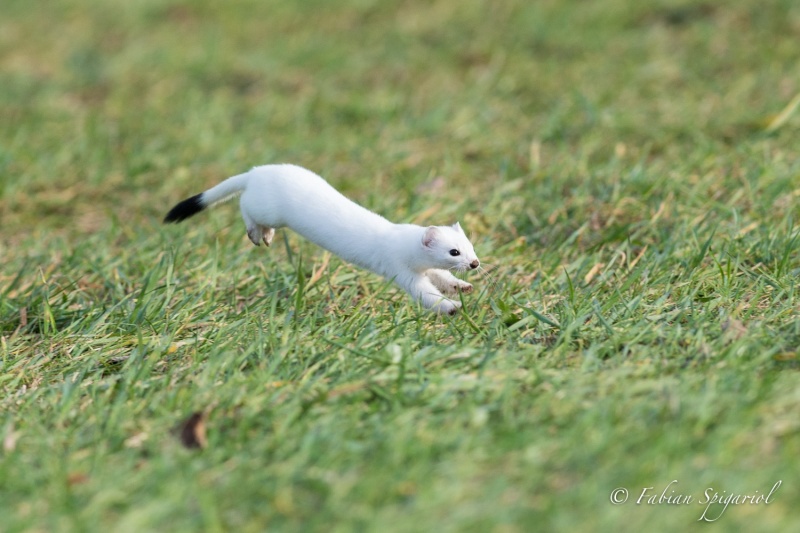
[268, 235]
[255, 234]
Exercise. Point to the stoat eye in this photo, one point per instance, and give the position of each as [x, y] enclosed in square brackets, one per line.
[454, 252]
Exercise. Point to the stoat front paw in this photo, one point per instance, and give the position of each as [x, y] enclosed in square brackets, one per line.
[463, 286]
[447, 307]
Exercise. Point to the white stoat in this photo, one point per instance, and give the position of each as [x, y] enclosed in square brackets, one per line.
[416, 258]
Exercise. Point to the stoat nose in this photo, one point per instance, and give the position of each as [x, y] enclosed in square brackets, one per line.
[475, 264]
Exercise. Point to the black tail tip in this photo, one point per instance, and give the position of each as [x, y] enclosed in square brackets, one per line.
[185, 209]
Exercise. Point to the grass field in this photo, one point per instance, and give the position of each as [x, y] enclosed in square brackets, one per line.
[623, 169]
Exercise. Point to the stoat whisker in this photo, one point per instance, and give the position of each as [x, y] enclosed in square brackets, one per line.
[486, 275]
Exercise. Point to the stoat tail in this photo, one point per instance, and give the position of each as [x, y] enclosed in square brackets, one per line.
[219, 193]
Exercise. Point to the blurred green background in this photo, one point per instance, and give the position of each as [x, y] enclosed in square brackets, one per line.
[627, 171]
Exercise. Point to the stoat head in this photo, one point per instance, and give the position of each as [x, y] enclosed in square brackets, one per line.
[447, 247]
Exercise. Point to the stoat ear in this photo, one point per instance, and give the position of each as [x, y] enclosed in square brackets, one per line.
[430, 236]
[457, 227]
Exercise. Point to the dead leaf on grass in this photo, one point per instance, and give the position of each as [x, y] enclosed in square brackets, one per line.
[192, 431]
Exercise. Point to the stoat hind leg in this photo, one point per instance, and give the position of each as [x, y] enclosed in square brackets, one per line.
[256, 232]
[448, 283]
[259, 234]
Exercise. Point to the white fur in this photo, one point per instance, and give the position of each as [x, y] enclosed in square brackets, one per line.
[416, 258]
